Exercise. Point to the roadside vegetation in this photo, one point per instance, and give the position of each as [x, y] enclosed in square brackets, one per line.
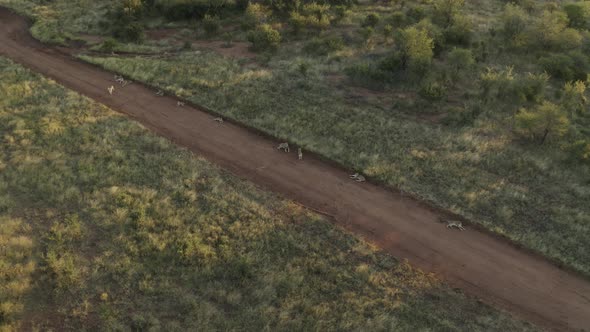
[479, 107]
[105, 226]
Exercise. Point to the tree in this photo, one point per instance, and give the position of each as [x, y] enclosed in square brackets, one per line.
[460, 59]
[542, 121]
[460, 32]
[569, 67]
[132, 8]
[415, 48]
[574, 98]
[372, 20]
[264, 38]
[550, 31]
[445, 11]
[578, 14]
[434, 32]
[514, 23]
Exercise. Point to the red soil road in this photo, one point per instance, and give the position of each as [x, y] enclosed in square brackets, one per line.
[479, 263]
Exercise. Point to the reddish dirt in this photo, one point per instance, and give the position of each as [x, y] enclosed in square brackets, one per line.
[160, 34]
[481, 264]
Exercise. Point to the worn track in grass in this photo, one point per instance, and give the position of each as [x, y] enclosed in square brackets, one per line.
[479, 263]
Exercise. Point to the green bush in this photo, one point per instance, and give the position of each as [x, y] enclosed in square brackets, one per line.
[578, 14]
[256, 14]
[242, 5]
[542, 122]
[530, 87]
[514, 21]
[109, 45]
[387, 31]
[324, 46]
[210, 24]
[372, 20]
[460, 59]
[550, 31]
[131, 32]
[264, 38]
[340, 13]
[579, 151]
[432, 90]
[398, 19]
[416, 13]
[391, 63]
[187, 9]
[433, 32]
[311, 16]
[573, 66]
[445, 11]
[414, 51]
[460, 32]
[573, 97]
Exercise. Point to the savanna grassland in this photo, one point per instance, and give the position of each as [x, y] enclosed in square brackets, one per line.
[106, 226]
[479, 107]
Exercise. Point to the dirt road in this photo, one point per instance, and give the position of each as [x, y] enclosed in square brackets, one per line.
[478, 263]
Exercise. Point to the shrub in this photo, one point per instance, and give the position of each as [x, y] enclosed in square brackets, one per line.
[415, 50]
[573, 66]
[416, 13]
[297, 22]
[550, 31]
[311, 16]
[242, 5]
[109, 45]
[187, 45]
[264, 38]
[573, 99]
[446, 10]
[256, 14]
[303, 68]
[578, 14]
[340, 13]
[494, 82]
[579, 151]
[210, 24]
[126, 16]
[514, 23]
[530, 87]
[504, 85]
[184, 10]
[432, 90]
[132, 32]
[398, 19]
[435, 33]
[387, 31]
[542, 121]
[460, 32]
[460, 59]
[558, 65]
[372, 20]
[367, 36]
[132, 8]
[324, 46]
